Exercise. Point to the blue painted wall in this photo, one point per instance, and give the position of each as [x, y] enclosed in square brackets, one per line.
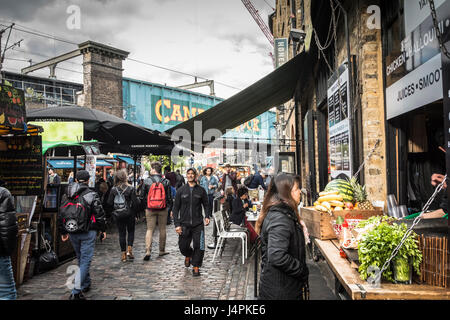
[159, 107]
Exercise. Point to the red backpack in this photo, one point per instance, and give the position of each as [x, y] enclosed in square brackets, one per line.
[156, 198]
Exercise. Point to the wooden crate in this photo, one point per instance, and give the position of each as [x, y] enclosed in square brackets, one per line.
[319, 223]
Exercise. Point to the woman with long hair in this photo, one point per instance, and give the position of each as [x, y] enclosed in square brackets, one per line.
[125, 219]
[284, 273]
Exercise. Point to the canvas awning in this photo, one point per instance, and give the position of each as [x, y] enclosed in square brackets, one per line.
[271, 91]
[63, 164]
[128, 160]
[100, 163]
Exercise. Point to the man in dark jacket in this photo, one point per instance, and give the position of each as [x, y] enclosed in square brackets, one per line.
[53, 178]
[83, 242]
[257, 181]
[8, 240]
[153, 215]
[189, 222]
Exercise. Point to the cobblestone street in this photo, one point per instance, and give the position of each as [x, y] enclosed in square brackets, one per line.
[161, 278]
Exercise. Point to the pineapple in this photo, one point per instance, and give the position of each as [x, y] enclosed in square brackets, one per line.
[360, 196]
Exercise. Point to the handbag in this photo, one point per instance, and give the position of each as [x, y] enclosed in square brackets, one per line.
[47, 260]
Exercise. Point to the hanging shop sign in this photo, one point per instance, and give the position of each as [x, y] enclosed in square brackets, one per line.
[340, 138]
[414, 76]
[21, 165]
[61, 131]
[12, 107]
[446, 92]
[281, 51]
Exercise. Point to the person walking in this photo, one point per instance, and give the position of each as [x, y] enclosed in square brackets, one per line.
[189, 221]
[124, 202]
[8, 239]
[81, 216]
[229, 179]
[210, 183]
[180, 180]
[158, 199]
[284, 273]
[53, 178]
[172, 177]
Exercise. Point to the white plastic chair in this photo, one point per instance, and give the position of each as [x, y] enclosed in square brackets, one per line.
[223, 234]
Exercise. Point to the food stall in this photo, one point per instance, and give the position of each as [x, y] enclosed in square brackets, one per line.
[21, 171]
[360, 244]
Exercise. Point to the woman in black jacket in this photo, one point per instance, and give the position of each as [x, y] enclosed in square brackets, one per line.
[8, 240]
[284, 273]
[128, 222]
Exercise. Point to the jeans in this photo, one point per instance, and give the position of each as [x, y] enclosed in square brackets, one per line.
[83, 244]
[7, 284]
[151, 216]
[123, 226]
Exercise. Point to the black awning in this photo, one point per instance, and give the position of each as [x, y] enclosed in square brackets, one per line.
[273, 90]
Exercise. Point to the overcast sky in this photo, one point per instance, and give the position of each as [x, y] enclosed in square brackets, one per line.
[215, 39]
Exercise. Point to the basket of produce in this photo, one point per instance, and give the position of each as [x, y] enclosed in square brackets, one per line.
[341, 198]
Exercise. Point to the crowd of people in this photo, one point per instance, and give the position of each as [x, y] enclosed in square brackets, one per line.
[84, 215]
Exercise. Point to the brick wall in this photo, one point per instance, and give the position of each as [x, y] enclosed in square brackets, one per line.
[366, 45]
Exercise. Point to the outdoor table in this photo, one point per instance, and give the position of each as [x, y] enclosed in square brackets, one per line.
[358, 289]
[251, 218]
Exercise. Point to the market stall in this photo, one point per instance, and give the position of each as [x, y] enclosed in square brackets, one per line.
[21, 171]
[374, 255]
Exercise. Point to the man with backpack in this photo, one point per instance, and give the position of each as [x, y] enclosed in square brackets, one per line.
[81, 216]
[158, 199]
[189, 222]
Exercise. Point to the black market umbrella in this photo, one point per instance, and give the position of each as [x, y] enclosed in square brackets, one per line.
[110, 131]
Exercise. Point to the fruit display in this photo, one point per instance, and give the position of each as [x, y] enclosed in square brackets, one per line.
[360, 196]
[340, 194]
[343, 187]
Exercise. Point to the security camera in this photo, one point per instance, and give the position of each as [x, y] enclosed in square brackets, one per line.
[297, 35]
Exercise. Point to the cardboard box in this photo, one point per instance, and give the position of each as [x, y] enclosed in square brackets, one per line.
[319, 223]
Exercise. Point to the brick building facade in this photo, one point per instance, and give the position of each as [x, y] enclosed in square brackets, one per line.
[329, 46]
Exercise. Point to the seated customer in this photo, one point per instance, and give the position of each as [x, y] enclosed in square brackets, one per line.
[239, 206]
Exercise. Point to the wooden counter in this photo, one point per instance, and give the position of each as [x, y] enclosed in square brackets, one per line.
[359, 289]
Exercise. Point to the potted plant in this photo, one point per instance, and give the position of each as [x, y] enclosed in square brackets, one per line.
[376, 245]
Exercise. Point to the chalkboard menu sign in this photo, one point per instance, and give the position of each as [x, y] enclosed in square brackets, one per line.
[12, 107]
[21, 165]
[340, 142]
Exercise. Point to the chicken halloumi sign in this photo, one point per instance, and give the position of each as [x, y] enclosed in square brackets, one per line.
[414, 77]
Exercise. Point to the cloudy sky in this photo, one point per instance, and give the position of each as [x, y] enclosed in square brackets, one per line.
[214, 39]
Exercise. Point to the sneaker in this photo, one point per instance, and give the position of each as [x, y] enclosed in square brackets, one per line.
[196, 272]
[187, 262]
[86, 290]
[211, 246]
[78, 296]
[163, 253]
[147, 257]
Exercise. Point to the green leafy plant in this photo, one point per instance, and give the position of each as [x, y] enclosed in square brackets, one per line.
[377, 245]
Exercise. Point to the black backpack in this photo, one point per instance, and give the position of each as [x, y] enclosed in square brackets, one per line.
[248, 180]
[121, 209]
[74, 214]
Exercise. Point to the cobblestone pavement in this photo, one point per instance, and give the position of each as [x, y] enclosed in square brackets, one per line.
[161, 278]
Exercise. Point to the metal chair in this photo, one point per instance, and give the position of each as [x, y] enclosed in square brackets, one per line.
[223, 234]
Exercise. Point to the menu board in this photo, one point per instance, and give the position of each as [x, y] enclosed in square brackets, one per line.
[339, 125]
[21, 165]
[12, 107]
